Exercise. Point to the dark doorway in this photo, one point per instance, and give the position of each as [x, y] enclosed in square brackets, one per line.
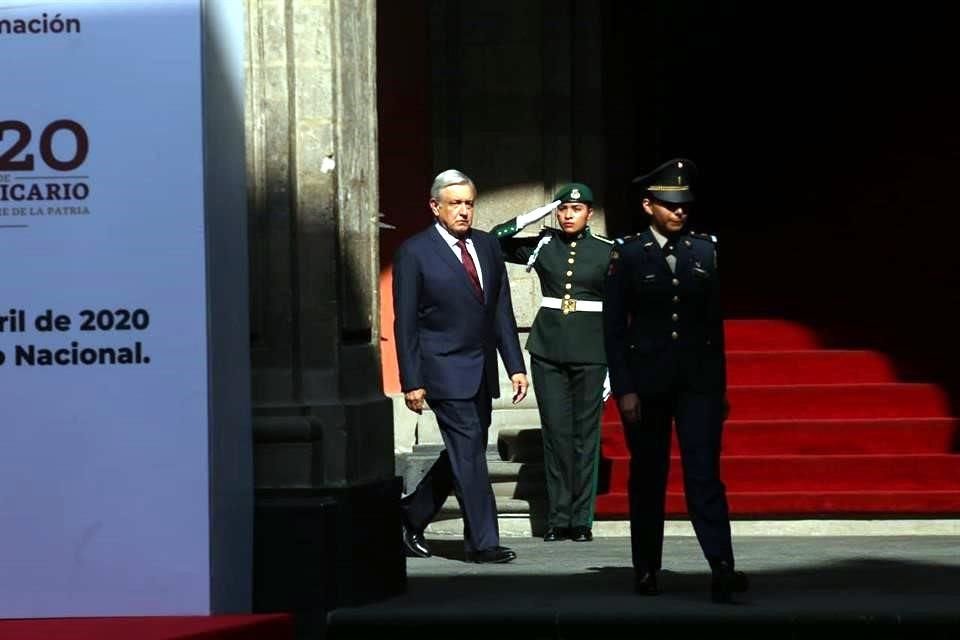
[828, 142]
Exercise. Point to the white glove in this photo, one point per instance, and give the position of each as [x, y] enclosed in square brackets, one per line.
[532, 216]
[606, 387]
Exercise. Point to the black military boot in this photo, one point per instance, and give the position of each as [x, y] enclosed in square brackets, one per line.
[645, 583]
[726, 582]
[553, 534]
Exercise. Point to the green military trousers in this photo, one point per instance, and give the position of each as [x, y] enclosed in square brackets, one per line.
[570, 401]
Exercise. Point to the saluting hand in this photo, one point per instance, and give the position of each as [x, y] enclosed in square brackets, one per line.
[520, 385]
[415, 399]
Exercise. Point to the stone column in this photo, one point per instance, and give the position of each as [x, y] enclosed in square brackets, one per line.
[327, 524]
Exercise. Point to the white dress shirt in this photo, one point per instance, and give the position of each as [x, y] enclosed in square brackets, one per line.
[662, 240]
[452, 240]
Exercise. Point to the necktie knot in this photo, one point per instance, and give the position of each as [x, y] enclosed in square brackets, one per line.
[670, 246]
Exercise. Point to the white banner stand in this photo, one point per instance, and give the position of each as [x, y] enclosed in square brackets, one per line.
[125, 444]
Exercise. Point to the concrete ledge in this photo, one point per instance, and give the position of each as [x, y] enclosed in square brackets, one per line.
[518, 525]
[802, 588]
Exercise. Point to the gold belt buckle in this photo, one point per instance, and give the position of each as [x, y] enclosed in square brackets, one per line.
[569, 305]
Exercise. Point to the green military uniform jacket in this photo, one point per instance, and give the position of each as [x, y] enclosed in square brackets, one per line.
[570, 269]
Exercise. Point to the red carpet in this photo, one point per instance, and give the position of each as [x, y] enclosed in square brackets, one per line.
[814, 431]
[252, 627]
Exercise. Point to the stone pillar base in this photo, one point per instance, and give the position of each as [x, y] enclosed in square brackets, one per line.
[318, 549]
[339, 444]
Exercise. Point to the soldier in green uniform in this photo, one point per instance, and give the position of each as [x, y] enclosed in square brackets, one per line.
[566, 349]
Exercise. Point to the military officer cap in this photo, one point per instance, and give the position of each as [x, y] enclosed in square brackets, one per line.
[670, 182]
[575, 192]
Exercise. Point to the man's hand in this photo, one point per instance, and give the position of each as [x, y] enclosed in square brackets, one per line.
[415, 399]
[629, 407]
[520, 385]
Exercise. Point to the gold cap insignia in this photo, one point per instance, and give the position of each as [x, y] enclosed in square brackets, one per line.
[667, 187]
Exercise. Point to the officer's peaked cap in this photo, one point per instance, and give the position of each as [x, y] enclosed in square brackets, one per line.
[670, 182]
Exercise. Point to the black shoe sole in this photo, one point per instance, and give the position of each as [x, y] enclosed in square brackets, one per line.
[496, 561]
[646, 589]
[722, 590]
[413, 553]
[725, 596]
[559, 533]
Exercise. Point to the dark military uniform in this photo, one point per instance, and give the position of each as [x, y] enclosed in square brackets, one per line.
[568, 362]
[664, 341]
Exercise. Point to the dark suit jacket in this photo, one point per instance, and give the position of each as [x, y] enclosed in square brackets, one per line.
[662, 328]
[447, 340]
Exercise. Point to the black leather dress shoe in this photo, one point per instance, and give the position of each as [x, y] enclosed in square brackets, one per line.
[497, 555]
[726, 582]
[645, 583]
[581, 534]
[414, 544]
[555, 533]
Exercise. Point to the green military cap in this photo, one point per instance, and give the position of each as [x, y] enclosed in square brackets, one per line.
[575, 192]
[670, 182]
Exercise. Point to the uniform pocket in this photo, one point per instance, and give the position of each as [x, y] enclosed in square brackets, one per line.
[701, 274]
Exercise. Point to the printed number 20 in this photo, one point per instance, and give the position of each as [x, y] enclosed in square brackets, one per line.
[10, 162]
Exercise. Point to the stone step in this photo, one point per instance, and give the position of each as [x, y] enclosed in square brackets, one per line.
[520, 444]
[428, 431]
[523, 480]
[535, 489]
[410, 428]
[505, 505]
[503, 471]
[523, 525]
[496, 466]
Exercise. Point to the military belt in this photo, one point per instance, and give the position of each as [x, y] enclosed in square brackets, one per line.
[570, 305]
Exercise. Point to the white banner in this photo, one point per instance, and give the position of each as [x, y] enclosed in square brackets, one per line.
[103, 317]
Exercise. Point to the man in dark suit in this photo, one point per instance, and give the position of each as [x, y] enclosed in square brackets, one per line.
[663, 331]
[453, 312]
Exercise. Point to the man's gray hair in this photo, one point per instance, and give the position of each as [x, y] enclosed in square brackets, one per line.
[449, 178]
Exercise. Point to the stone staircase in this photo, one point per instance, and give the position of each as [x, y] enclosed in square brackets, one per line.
[514, 460]
[517, 486]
